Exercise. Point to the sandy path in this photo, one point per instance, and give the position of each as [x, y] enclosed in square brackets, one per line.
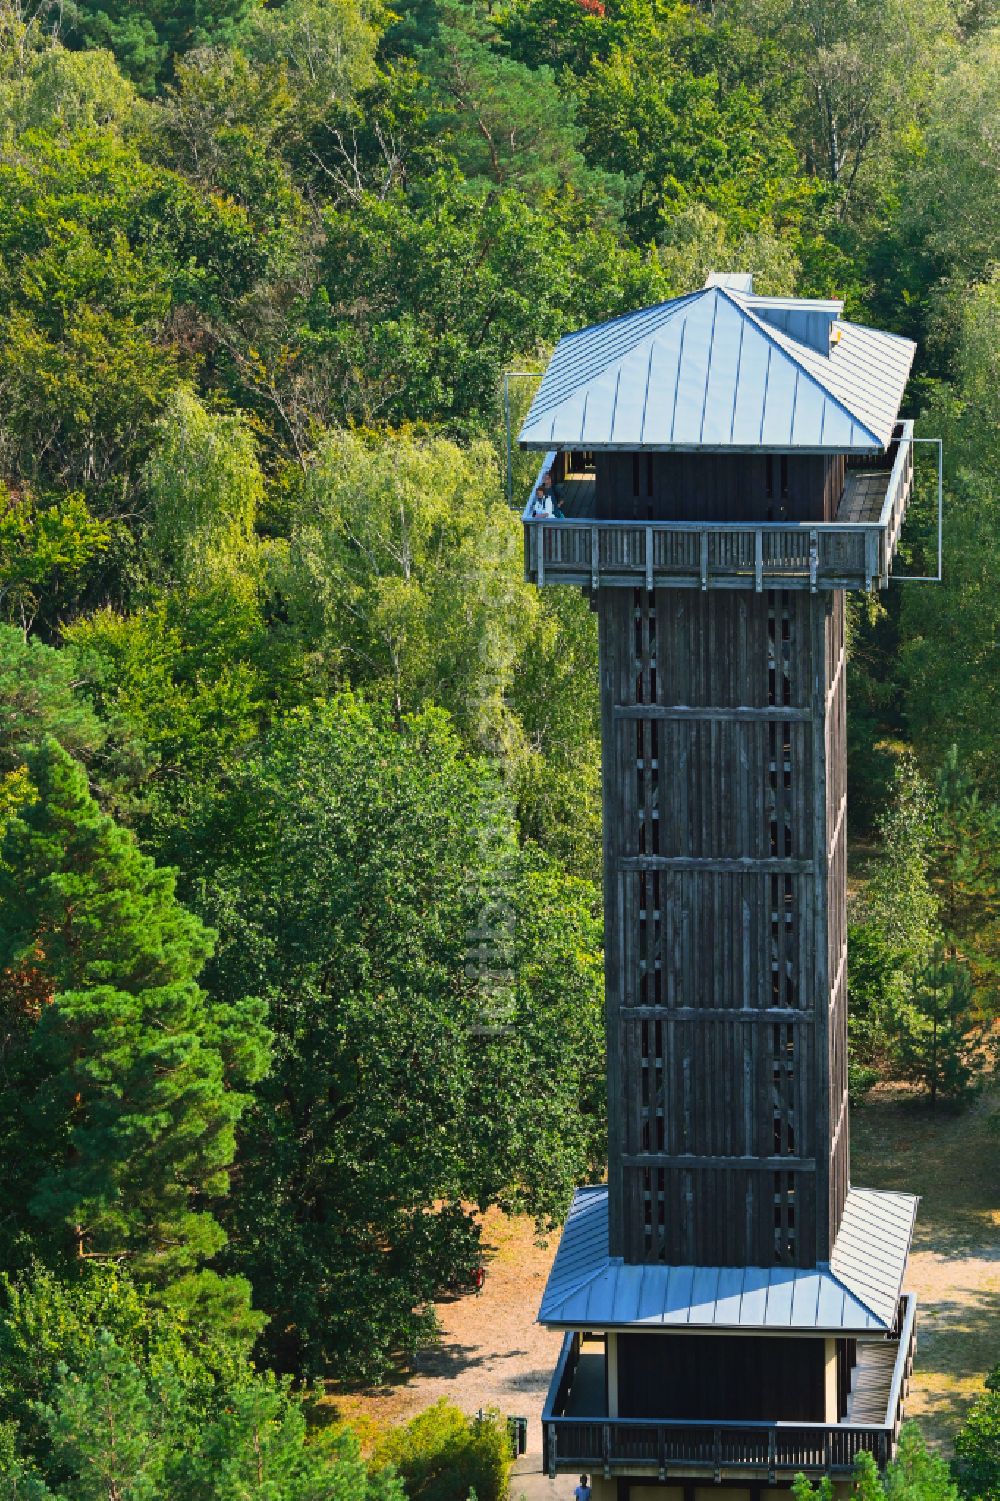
[493, 1354]
[953, 1162]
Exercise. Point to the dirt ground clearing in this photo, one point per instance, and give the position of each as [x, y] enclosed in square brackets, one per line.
[953, 1162]
[493, 1354]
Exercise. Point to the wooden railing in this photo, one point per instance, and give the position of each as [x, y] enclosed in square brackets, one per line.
[664, 1445]
[723, 555]
[897, 497]
[907, 1324]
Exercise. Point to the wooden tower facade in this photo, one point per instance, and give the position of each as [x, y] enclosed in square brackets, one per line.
[724, 798]
[728, 466]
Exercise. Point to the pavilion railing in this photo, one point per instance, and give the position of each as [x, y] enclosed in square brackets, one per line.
[664, 1445]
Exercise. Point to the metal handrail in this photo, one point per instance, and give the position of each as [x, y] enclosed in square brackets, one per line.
[762, 1425]
[899, 1373]
[557, 1375]
[835, 528]
[899, 467]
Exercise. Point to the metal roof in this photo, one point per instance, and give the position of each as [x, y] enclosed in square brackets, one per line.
[719, 369]
[869, 1254]
[857, 1293]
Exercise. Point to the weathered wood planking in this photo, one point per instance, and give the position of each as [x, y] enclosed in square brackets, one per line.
[723, 786]
[718, 487]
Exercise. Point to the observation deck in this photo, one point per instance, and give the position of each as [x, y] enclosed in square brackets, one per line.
[854, 551]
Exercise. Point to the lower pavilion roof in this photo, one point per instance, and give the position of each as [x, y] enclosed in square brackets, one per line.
[857, 1292]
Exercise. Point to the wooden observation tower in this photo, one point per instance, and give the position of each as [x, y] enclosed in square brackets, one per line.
[728, 465]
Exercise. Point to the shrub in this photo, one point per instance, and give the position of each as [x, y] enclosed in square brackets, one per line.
[978, 1445]
[443, 1455]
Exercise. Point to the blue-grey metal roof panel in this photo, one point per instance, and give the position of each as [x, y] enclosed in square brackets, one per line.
[857, 1293]
[872, 1246]
[719, 369]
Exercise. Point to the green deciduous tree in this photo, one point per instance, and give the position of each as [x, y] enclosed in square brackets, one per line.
[403, 569]
[181, 683]
[942, 241]
[425, 302]
[914, 1475]
[46, 554]
[661, 121]
[124, 1081]
[966, 875]
[50, 89]
[357, 872]
[894, 923]
[853, 74]
[102, 1394]
[949, 656]
[899, 898]
[977, 1445]
[205, 489]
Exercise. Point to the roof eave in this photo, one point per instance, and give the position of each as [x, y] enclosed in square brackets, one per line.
[544, 445]
[832, 1331]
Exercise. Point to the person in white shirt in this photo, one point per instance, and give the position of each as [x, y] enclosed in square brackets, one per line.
[541, 506]
[582, 1492]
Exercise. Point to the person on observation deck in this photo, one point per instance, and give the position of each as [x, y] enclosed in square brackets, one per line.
[552, 491]
[541, 506]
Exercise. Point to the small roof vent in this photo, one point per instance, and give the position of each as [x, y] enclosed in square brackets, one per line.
[733, 281]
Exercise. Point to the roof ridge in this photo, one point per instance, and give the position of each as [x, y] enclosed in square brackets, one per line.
[777, 337]
[573, 1288]
[845, 1287]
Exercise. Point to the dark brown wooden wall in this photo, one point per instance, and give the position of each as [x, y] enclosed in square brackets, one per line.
[723, 718]
[698, 1377]
[718, 487]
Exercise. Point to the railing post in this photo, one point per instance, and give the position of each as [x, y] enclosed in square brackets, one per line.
[649, 559]
[827, 1451]
[717, 1454]
[772, 1456]
[704, 560]
[606, 1449]
[872, 568]
[661, 1452]
[813, 560]
[540, 525]
[758, 560]
[550, 1430]
[595, 557]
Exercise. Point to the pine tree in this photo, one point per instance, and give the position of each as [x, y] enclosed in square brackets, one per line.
[937, 1041]
[966, 875]
[128, 1082]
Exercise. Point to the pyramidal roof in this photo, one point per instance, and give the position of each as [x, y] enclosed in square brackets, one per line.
[722, 369]
[857, 1292]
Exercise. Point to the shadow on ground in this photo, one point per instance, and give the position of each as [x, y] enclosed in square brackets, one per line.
[950, 1159]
